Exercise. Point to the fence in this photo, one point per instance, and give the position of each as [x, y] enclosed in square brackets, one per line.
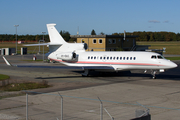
[70, 107]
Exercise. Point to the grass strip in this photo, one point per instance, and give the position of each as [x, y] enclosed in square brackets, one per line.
[3, 77]
[23, 86]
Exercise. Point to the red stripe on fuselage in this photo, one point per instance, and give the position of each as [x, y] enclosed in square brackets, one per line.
[107, 63]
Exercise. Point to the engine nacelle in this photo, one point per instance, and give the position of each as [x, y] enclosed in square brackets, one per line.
[77, 46]
[66, 56]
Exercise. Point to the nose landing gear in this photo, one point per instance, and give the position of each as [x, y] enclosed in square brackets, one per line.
[153, 73]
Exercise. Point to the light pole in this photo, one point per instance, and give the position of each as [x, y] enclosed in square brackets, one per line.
[16, 37]
[43, 45]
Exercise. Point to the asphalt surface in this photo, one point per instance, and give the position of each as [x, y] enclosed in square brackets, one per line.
[121, 93]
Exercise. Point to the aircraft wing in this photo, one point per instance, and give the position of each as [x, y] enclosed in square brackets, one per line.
[47, 65]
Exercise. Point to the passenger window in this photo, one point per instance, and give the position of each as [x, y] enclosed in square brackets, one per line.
[88, 57]
[134, 58]
[101, 58]
[94, 57]
[111, 58]
[114, 58]
[130, 58]
[124, 58]
[104, 58]
[107, 58]
[153, 57]
[120, 58]
[127, 58]
[91, 57]
[117, 58]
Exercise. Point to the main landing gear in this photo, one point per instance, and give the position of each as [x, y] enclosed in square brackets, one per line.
[86, 73]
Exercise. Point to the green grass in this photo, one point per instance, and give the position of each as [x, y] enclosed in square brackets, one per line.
[172, 48]
[23, 86]
[3, 77]
[173, 58]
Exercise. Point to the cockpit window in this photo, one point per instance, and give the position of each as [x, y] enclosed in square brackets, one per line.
[160, 57]
[153, 57]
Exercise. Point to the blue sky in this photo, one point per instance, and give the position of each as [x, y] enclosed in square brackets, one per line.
[108, 16]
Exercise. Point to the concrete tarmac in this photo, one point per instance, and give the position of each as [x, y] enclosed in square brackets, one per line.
[121, 94]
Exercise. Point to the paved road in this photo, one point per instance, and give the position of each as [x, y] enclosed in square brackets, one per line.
[119, 93]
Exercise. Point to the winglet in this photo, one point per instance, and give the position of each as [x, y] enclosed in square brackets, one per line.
[7, 62]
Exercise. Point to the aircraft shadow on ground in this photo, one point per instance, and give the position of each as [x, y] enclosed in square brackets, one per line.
[118, 74]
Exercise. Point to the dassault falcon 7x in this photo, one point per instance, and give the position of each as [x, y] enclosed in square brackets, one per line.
[75, 55]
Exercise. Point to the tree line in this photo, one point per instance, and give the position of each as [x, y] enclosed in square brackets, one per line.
[154, 36]
[141, 36]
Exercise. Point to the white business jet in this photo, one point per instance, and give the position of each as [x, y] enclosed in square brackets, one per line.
[75, 55]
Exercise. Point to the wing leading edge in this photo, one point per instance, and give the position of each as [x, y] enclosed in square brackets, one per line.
[60, 67]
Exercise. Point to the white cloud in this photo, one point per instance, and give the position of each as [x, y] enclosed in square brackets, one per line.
[166, 21]
[154, 21]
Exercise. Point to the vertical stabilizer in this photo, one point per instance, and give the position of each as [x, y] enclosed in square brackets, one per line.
[54, 36]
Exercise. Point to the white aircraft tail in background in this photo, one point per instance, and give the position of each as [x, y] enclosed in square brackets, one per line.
[75, 55]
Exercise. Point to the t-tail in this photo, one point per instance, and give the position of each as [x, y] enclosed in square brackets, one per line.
[59, 47]
[54, 36]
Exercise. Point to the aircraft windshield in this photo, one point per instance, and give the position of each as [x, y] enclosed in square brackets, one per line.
[160, 57]
[157, 57]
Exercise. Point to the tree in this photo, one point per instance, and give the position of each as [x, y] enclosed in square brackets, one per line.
[102, 33]
[65, 35]
[93, 32]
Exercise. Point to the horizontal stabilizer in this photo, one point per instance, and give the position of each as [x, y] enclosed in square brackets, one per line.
[42, 44]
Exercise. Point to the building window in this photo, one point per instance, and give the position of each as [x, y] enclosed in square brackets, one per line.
[94, 41]
[82, 40]
[100, 41]
[114, 41]
[110, 41]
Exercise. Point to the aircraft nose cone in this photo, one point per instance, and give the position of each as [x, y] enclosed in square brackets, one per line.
[173, 65]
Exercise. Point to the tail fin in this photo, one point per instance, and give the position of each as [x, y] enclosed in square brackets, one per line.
[54, 36]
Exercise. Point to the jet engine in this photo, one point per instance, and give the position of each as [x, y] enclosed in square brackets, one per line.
[77, 46]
